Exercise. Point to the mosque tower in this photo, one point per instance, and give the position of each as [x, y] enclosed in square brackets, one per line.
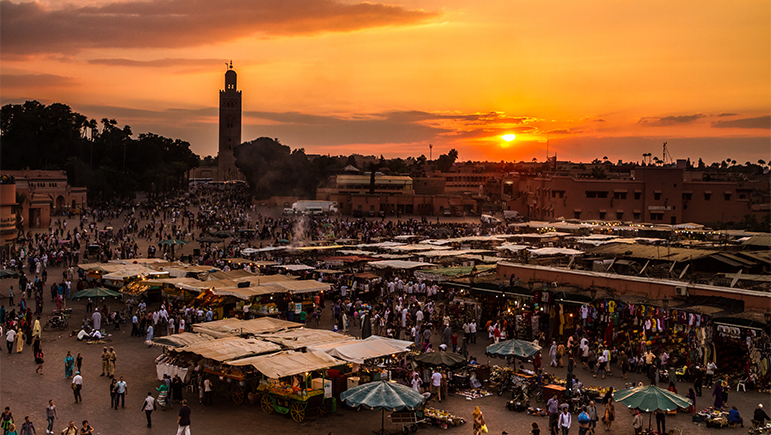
[230, 127]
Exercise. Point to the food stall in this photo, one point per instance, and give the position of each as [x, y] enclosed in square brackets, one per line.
[370, 359]
[288, 385]
[228, 380]
[236, 327]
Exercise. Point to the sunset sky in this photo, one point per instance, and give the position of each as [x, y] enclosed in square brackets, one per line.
[598, 78]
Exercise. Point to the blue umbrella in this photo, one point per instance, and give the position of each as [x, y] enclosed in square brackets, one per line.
[383, 395]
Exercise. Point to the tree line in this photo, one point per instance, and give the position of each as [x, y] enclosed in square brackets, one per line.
[102, 156]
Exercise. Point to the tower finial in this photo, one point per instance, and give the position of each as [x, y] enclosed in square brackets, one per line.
[231, 64]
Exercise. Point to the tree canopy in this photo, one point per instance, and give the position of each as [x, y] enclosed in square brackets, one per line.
[109, 162]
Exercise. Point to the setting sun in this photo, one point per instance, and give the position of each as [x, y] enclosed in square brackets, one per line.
[508, 137]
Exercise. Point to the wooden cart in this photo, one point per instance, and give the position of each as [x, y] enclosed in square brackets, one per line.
[232, 385]
[297, 404]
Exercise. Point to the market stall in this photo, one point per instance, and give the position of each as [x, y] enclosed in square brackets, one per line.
[287, 386]
[237, 327]
[211, 356]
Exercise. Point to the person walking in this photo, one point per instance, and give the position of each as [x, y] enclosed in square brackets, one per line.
[592, 411]
[79, 361]
[6, 419]
[148, 406]
[553, 406]
[711, 367]
[565, 421]
[51, 415]
[584, 422]
[77, 385]
[479, 421]
[121, 389]
[113, 393]
[610, 414]
[86, 429]
[69, 362]
[71, 429]
[661, 421]
[10, 337]
[28, 428]
[183, 419]
[637, 422]
[39, 360]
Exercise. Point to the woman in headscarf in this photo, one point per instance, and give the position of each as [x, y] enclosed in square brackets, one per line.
[718, 393]
[69, 363]
[479, 420]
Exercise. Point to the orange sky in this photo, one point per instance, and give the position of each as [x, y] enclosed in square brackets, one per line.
[606, 78]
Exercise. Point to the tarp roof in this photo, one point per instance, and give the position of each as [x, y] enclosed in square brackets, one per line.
[181, 271]
[288, 363]
[304, 337]
[295, 267]
[224, 349]
[234, 326]
[358, 351]
[300, 286]
[180, 340]
[398, 264]
[236, 275]
[245, 292]
[649, 252]
[555, 251]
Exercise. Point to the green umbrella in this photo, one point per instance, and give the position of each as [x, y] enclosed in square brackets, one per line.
[8, 274]
[96, 292]
[651, 398]
[223, 234]
[383, 395]
[173, 242]
[447, 359]
[209, 239]
[518, 348]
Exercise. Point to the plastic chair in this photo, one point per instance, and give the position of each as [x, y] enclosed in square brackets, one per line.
[741, 384]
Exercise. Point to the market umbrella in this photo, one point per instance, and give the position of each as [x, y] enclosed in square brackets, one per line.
[173, 242]
[209, 239]
[8, 274]
[96, 292]
[223, 234]
[441, 358]
[519, 348]
[651, 398]
[383, 395]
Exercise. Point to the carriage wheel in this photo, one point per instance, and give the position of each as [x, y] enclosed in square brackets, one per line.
[267, 404]
[237, 394]
[297, 410]
[322, 411]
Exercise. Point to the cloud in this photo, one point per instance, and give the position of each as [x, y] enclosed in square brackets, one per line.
[157, 63]
[35, 80]
[669, 120]
[33, 27]
[726, 114]
[759, 122]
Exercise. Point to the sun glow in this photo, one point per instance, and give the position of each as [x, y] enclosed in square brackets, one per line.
[508, 137]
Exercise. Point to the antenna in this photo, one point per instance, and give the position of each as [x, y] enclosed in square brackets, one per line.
[666, 158]
[430, 151]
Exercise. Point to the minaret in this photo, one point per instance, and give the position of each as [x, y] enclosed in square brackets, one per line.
[230, 127]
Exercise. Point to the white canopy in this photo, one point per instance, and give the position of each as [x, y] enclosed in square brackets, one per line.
[299, 286]
[281, 364]
[234, 326]
[296, 267]
[512, 247]
[398, 264]
[228, 348]
[555, 251]
[358, 351]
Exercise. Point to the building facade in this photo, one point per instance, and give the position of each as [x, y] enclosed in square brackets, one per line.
[8, 229]
[229, 128]
[42, 194]
[649, 194]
